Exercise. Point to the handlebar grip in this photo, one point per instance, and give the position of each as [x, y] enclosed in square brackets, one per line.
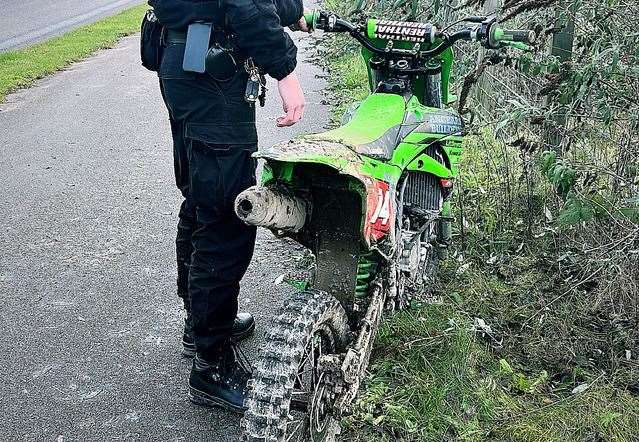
[522, 36]
[310, 20]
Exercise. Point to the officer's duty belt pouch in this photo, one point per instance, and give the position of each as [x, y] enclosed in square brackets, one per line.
[220, 63]
[151, 47]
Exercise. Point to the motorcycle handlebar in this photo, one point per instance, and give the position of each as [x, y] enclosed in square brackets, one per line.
[488, 33]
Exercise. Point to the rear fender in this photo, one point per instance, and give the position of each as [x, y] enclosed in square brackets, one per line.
[378, 181]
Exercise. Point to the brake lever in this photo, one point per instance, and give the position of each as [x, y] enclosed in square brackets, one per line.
[483, 32]
[490, 19]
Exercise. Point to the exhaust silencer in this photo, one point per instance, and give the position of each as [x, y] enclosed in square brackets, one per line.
[265, 207]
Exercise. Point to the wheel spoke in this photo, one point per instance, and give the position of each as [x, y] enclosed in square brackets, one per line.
[309, 356]
[298, 382]
[299, 431]
[306, 371]
[308, 353]
[306, 356]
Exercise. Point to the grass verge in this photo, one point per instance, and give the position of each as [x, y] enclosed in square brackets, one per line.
[439, 375]
[22, 67]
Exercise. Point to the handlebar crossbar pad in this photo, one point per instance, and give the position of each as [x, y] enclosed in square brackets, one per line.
[401, 31]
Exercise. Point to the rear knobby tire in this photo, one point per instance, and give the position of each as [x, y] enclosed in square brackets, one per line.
[308, 314]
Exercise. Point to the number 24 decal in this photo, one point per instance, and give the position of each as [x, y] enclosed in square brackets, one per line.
[382, 211]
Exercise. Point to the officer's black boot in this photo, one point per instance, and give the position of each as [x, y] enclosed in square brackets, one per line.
[243, 327]
[222, 381]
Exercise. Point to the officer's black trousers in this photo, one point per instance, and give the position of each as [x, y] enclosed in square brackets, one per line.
[213, 138]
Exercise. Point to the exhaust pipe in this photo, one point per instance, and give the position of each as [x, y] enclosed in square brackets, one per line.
[266, 207]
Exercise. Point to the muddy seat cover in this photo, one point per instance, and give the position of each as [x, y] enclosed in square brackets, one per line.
[382, 121]
[374, 128]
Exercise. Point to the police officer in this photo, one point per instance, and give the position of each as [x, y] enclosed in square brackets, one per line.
[214, 135]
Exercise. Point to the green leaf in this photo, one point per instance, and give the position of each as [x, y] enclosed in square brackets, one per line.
[504, 367]
[549, 158]
[577, 210]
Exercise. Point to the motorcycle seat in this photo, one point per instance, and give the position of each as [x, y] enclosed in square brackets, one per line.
[382, 121]
[374, 127]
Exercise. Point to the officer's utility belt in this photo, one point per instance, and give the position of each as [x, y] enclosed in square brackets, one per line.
[210, 50]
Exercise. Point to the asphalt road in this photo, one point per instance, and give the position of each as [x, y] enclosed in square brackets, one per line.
[23, 22]
[90, 321]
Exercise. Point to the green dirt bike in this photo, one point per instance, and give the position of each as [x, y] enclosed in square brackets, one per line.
[370, 199]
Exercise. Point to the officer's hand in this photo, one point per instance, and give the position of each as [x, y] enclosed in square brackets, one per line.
[302, 25]
[292, 100]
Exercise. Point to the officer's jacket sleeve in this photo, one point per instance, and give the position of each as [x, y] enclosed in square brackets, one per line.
[290, 11]
[260, 34]
[179, 14]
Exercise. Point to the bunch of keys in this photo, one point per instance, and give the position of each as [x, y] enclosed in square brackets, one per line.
[256, 85]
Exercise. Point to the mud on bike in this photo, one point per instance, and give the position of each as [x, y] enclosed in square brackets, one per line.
[370, 200]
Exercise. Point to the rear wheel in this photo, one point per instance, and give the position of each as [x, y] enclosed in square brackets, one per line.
[290, 398]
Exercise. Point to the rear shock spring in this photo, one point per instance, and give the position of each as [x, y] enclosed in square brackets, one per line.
[365, 272]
